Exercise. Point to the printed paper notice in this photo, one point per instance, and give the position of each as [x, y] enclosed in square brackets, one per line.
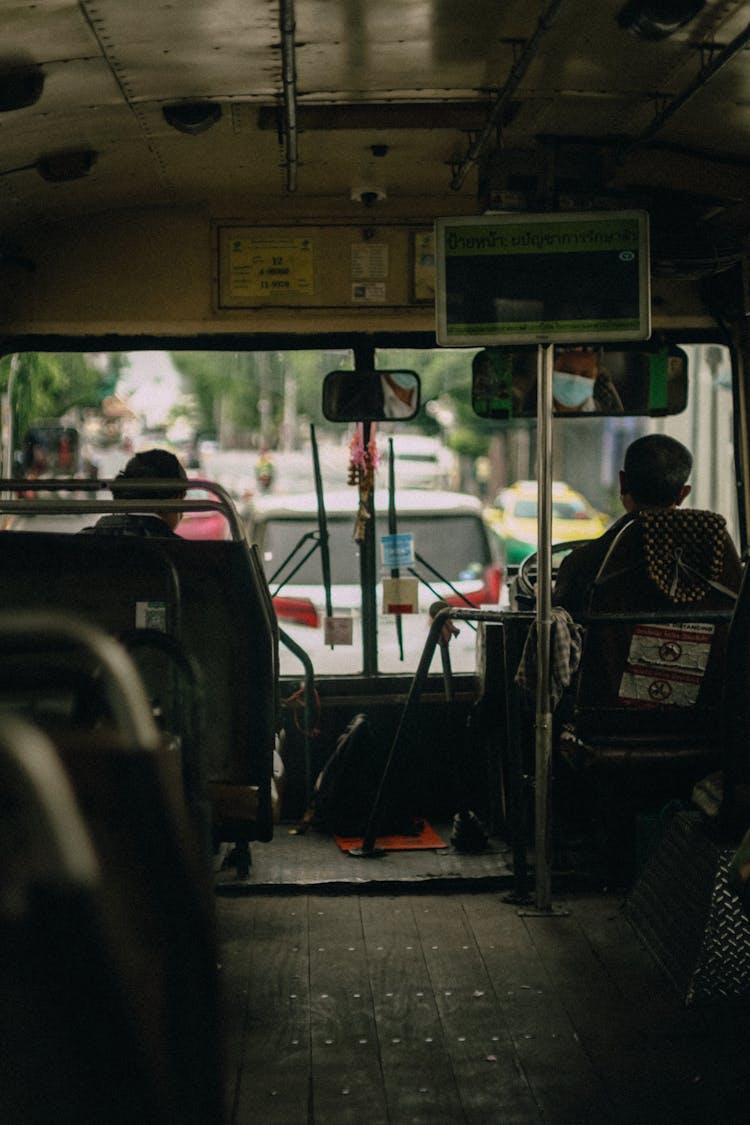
[338, 630]
[270, 269]
[368, 291]
[370, 261]
[400, 595]
[151, 615]
[666, 665]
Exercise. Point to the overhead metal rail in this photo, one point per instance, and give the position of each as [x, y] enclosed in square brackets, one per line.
[701, 80]
[518, 70]
[288, 26]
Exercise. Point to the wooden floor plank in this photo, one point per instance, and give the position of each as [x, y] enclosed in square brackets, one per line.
[372, 1009]
[690, 1069]
[347, 1077]
[491, 1081]
[646, 1053]
[274, 1074]
[546, 1042]
[417, 1073]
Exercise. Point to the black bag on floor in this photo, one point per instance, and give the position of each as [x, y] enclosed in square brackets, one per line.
[346, 787]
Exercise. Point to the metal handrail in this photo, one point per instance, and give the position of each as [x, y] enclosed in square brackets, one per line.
[123, 686]
[76, 505]
[450, 613]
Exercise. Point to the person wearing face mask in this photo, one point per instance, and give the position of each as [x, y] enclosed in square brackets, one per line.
[581, 386]
[654, 476]
[399, 394]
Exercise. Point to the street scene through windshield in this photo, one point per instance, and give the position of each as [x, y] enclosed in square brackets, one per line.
[464, 488]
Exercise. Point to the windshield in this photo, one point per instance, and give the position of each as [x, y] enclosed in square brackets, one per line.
[455, 546]
[251, 421]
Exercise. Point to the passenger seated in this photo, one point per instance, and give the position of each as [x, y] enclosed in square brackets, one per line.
[653, 479]
[151, 464]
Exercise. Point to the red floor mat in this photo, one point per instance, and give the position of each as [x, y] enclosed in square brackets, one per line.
[427, 837]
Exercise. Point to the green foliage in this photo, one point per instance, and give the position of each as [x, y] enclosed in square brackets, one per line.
[247, 389]
[49, 385]
[468, 443]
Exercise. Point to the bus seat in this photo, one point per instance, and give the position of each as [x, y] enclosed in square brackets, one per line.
[646, 720]
[109, 1007]
[229, 626]
[734, 814]
[213, 595]
[652, 667]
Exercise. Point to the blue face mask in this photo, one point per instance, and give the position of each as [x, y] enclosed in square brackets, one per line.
[571, 390]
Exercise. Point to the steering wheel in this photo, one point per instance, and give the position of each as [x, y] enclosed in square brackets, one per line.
[527, 571]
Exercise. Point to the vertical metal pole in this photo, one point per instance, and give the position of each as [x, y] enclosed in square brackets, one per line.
[543, 724]
[368, 574]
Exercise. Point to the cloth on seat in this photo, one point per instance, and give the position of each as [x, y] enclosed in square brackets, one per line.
[683, 551]
[566, 643]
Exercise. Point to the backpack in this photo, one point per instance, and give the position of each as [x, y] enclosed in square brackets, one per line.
[348, 783]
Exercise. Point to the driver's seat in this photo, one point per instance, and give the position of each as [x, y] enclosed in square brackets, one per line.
[646, 719]
[649, 685]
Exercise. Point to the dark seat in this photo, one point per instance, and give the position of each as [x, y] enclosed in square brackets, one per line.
[109, 1005]
[652, 668]
[647, 715]
[212, 598]
[229, 625]
[735, 765]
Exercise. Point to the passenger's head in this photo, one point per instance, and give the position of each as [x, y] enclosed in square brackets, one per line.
[153, 464]
[655, 472]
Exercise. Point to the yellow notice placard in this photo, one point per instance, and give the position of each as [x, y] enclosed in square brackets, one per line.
[268, 268]
[400, 595]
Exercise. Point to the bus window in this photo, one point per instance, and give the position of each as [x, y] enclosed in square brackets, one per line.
[225, 412]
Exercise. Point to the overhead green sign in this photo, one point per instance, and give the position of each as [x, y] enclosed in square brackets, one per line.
[543, 278]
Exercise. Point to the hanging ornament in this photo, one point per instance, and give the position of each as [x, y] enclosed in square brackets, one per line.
[363, 461]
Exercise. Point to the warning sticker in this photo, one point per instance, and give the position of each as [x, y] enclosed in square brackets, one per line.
[644, 685]
[666, 665]
[674, 646]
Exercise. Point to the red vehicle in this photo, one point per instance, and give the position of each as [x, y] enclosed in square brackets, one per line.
[203, 525]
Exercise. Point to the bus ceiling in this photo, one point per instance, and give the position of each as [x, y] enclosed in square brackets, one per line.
[144, 144]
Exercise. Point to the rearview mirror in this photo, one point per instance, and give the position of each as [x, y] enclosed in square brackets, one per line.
[585, 381]
[370, 396]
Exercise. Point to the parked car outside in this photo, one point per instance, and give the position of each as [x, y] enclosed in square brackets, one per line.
[450, 535]
[420, 461]
[513, 518]
[210, 524]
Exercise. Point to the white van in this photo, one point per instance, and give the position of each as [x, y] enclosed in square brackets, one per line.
[460, 565]
[420, 461]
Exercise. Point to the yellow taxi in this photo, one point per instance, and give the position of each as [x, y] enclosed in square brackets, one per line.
[513, 517]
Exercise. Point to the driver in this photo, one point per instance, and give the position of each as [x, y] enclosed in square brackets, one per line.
[654, 476]
[580, 385]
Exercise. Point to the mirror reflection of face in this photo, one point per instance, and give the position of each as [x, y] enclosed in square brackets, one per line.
[577, 363]
[399, 389]
[586, 379]
[370, 396]
[573, 377]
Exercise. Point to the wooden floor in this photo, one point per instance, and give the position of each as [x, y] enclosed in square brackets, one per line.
[441, 1003]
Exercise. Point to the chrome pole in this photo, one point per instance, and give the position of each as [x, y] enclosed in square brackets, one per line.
[543, 719]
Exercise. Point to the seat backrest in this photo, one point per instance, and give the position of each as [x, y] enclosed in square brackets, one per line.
[109, 998]
[735, 761]
[656, 630]
[228, 625]
[211, 595]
